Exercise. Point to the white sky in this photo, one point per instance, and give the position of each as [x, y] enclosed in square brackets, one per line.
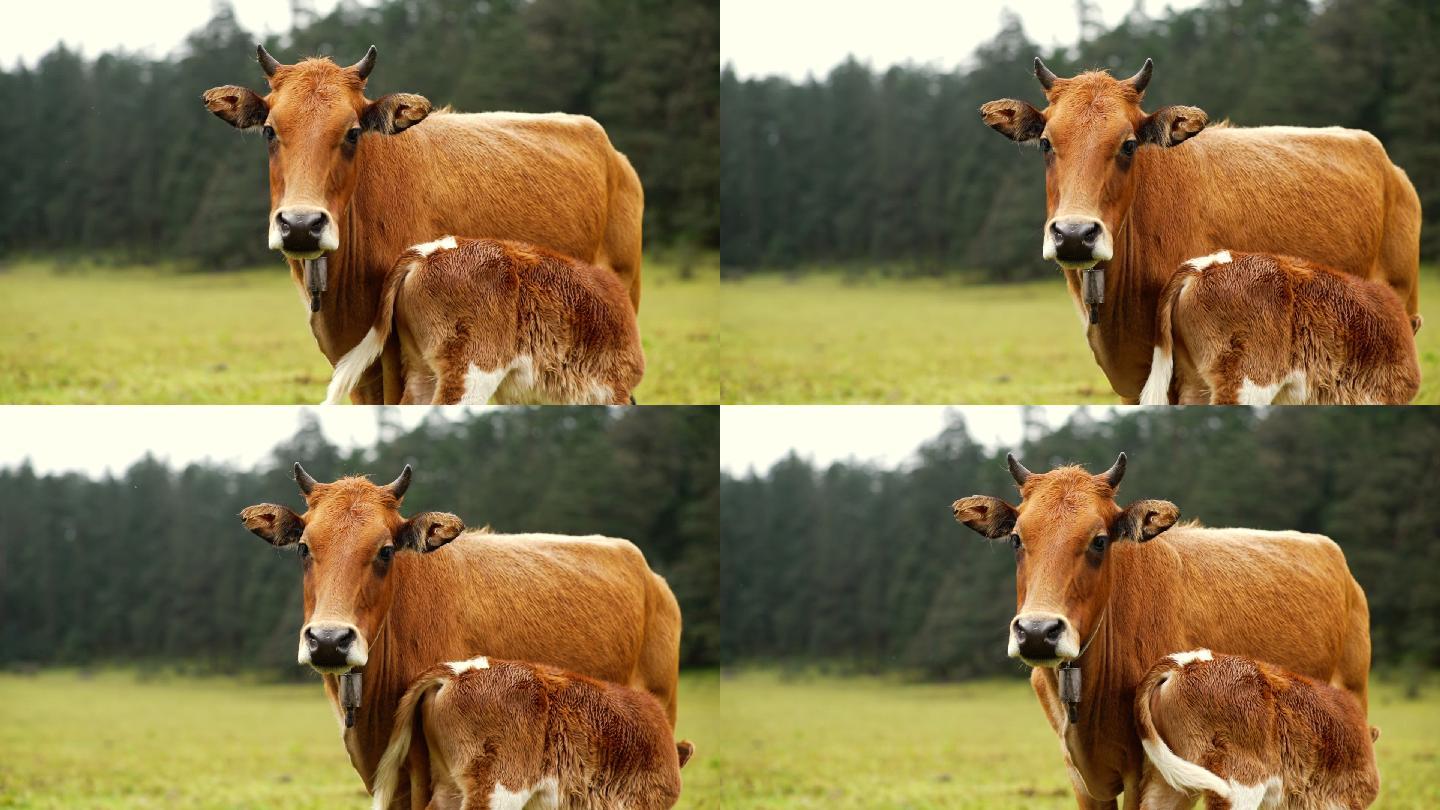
[756, 436]
[796, 37]
[90, 439]
[153, 27]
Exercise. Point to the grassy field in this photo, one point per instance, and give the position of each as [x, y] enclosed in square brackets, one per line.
[872, 743]
[148, 335]
[116, 742]
[825, 338]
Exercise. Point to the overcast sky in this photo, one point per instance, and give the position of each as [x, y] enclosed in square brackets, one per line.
[96, 439]
[152, 27]
[756, 436]
[796, 37]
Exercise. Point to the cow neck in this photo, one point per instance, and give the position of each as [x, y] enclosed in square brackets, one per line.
[348, 305]
[1089, 741]
[1123, 339]
[381, 689]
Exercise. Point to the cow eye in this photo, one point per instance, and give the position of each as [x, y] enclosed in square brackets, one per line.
[387, 553]
[353, 136]
[1098, 544]
[1128, 148]
[269, 132]
[304, 551]
[1044, 144]
[1015, 542]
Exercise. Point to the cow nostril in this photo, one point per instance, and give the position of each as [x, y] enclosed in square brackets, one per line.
[1091, 233]
[1052, 633]
[317, 224]
[1056, 233]
[345, 639]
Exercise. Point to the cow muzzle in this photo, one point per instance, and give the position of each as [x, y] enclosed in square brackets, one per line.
[303, 232]
[1043, 639]
[1077, 242]
[332, 648]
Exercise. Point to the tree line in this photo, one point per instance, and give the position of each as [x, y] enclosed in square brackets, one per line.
[864, 568]
[152, 566]
[116, 156]
[893, 168]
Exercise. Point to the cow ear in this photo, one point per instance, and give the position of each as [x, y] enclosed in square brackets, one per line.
[273, 523]
[989, 516]
[239, 107]
[428, 531]
[1143, 520]
[1016, 120]
[1168, 126]
[394, 113]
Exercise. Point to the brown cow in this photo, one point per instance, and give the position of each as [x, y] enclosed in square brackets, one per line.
[375, 582]
[480, 317]
[356, 180]
[1252, 329]
[1250, 734]
[1135, 194]
[1096, 590]
[508, 735]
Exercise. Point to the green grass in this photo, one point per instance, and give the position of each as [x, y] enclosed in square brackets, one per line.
[151, 335]
[871, 743]
[114, 741]
[825, 338]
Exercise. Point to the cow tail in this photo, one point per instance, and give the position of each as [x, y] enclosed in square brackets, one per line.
[353, 365]
[1181, 774]
[1162, 363]
[387, 774]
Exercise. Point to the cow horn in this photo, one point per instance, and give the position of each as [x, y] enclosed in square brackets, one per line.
[399, 485]
[1017, 469]
[303, 479]
[1142, 78]
[267, 62]
[1113, 475]
[365, 65]
[1047, 79]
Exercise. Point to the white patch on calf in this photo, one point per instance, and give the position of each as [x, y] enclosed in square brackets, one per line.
[543, 795]
[480, 385]
[1252, 394]
[1253, 797]
[459, 667]
[426, 248]
[598, 393]
[1157, 385]
[1294, 389]
[1202, 262]
[1183, 658]
[350, 368]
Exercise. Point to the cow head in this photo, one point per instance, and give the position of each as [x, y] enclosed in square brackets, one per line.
[1062, 533]
[1092, 136]
[351, 539]
[315, 121]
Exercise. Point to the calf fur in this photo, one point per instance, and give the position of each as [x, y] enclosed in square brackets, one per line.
[503, 734]
[1247, 734]
[1255, 329]
[483, 319]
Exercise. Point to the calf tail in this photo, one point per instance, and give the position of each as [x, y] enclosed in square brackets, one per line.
[1162, 363]
[686, 750]
[387, 774]
[353, 365]
[1181, 774]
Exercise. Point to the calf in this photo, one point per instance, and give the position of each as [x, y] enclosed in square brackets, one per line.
[483, 318]
[1255, 329]
[502, 734]
[1249, 734]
